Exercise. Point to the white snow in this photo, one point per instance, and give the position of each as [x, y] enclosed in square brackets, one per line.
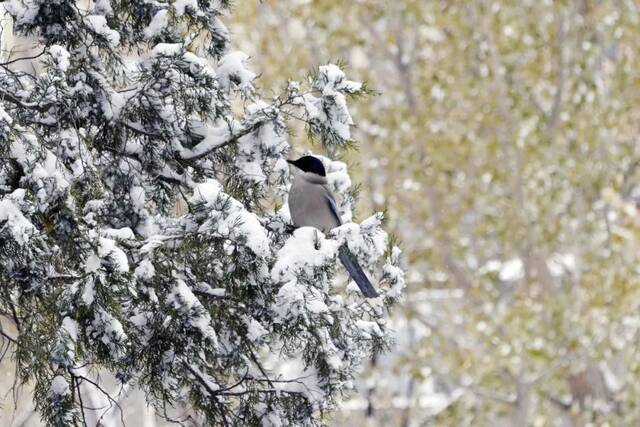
[50, 168]
[297, 299]
[124, 233]
[112, 104]
[70, 326]
[297, 377]
[511, 270]
[67, 337]
[102, 7]
[208, 380]
[367, 240]
[330, 110]
[137, 195]
[60, 56]
[337, 176]
[152, 243]
[290, 300]
[158, 23]
[47, 172]
[108, 330]
[333, 77]
[229, 218]
[25, 12]
[11, 218]
[260, 153]
[5, 116]
[59, 387]
[88, 293]
[213, 137]
[183, 300]
[255, 330]
[92, 263]
[393, 275]
[166, 49]
[98, 23]
[198, 63]
[140, 320]
[304, 251]
[233, 67]
[74, 149]
[108, 248]
[316, 306]
[176, 49]
[181, 6]
[369, 329]
[205, 288]
[145, 269]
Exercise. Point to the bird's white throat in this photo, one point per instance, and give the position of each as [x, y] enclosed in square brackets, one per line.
[313, 178]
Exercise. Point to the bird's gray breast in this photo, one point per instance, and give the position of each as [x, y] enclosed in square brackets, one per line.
[309, 205]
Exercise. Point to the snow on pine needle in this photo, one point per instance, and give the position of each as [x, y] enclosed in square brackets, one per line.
[144, 229]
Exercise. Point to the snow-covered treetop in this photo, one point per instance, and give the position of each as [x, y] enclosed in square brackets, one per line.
[138, 233]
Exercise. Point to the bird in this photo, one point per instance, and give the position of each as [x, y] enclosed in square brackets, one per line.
[311, 204]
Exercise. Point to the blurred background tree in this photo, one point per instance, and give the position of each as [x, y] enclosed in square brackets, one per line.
[507, 139]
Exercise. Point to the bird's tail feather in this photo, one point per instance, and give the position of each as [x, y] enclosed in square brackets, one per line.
[356, 273]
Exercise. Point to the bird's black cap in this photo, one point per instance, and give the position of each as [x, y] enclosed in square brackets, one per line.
[309, 164]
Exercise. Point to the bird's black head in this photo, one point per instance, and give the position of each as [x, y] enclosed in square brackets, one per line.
[309, 164]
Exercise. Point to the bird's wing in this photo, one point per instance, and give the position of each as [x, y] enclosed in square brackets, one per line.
[333, 207]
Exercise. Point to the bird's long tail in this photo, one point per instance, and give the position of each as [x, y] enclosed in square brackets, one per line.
[356, 273]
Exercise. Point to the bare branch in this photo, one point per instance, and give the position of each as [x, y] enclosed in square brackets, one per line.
[24, 58]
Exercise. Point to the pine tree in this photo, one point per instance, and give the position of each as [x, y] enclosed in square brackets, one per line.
[141, 107]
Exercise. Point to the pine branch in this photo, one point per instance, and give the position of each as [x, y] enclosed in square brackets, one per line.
[206, 147]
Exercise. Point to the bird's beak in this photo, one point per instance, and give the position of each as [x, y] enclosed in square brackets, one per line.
[291, 162]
